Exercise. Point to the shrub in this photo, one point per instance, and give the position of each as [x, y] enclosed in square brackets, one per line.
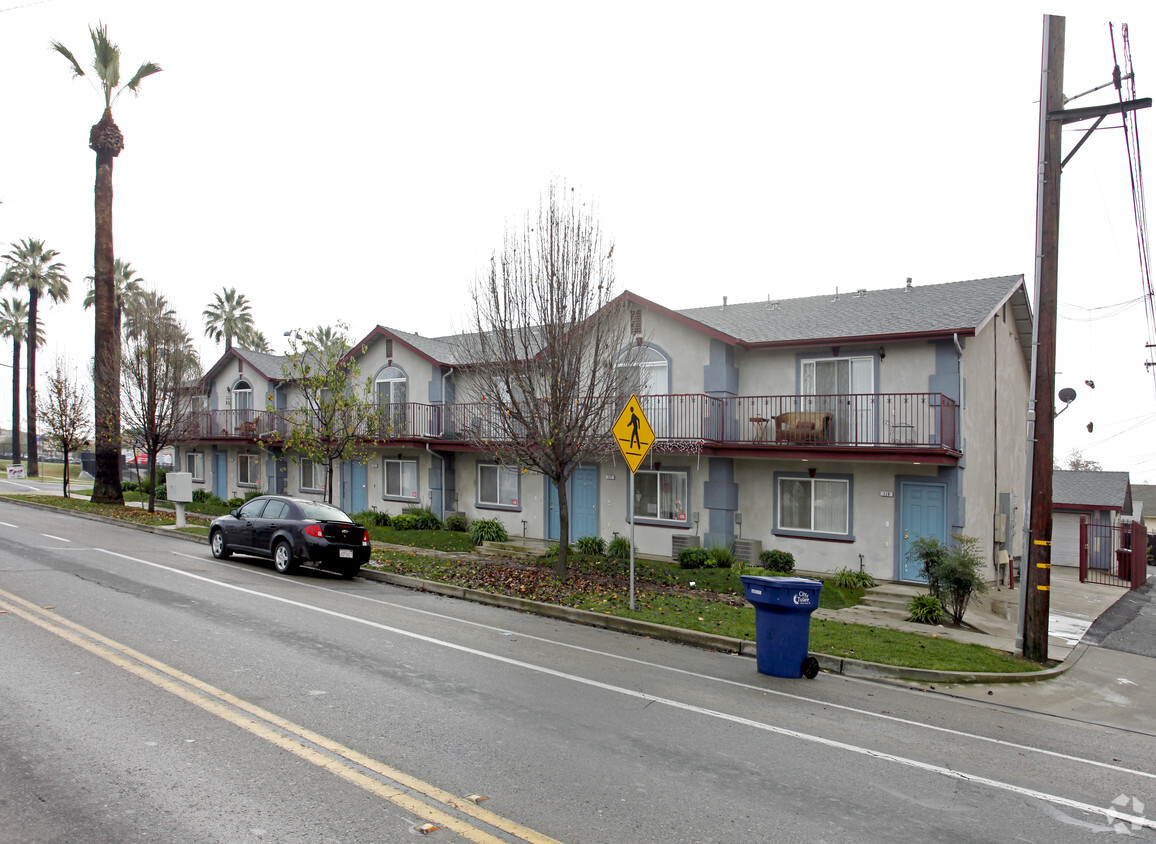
[458, 522]
[776, 560]
[592, 545]
[552, 551]
[930, 553]
[235, 502]
[162, 493]
[959, 576]
[424, 518]
[694, 558]
[128, 486]
[371, 518]
[203, 496]
[487, 530]
[403, 522]
[721, 556]
[619, 548]
[847, 578]
[252, 493]
[925, 609]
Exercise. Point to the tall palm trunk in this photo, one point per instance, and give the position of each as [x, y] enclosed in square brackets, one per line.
[30, 385]
[106, 141]
[15, 403]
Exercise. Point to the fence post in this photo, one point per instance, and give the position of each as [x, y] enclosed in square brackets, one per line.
[1139, 554]
[1083, 549]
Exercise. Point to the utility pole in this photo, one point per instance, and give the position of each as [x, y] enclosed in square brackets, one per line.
[1035, 598]
[1037, 581]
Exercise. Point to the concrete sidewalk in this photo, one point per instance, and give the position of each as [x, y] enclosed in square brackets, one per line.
[994, 616]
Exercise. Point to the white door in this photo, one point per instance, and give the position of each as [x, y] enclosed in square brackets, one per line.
[1065, 539]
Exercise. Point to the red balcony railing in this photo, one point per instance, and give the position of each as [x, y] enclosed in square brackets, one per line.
[894, 420]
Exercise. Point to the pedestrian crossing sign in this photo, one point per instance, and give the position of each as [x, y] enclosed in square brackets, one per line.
[633, 434]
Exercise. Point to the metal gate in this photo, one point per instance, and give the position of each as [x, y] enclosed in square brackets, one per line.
[1114, 555]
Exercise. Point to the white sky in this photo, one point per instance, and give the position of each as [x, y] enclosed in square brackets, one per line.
[358, 162]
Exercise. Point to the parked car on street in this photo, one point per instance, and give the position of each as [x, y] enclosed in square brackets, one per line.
[292, 532]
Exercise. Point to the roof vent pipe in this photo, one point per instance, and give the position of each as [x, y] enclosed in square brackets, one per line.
[724, 301]
[908, 284]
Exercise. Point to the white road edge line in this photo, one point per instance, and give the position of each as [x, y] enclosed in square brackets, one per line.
[57, 538]
[894, 719]
[961, 776]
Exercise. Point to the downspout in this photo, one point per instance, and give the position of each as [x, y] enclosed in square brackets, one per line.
[958, 388]
[441, 431]
[442, 508]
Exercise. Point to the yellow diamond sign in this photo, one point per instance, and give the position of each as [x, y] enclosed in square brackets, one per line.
[633, 434]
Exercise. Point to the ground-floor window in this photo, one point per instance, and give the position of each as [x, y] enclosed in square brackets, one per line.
[820, 506]
[400, 479]
[312, 475]
[498, 486]
[661, 495]
[195, 465]
[248, 469]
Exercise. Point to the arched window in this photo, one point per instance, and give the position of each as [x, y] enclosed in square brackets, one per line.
[242, 395]
[390, 386]
[645, 372]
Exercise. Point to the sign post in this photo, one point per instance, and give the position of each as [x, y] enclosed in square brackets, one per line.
[634, 436]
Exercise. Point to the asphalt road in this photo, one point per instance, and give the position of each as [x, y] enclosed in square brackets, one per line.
[148, 692]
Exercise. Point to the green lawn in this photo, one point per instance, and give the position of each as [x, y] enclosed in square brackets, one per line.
[663, 592]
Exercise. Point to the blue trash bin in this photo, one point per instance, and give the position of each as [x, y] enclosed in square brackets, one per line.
[783, 607]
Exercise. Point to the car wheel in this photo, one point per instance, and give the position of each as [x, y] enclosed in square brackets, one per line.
[217, 543]
[283, 557]
[351, 571]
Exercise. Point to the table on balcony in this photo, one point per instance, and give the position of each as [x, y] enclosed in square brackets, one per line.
[760, 423]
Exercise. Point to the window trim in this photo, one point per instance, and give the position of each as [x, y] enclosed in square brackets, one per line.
[654, 520]
[516, 507]
[778, 530]
[416, 497]
[301, 475]
[198, 478]
[245, 456]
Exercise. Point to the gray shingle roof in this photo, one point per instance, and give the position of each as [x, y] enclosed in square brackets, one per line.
[954, 306]
[1145, 493]
[1090, 489]
[268, 365]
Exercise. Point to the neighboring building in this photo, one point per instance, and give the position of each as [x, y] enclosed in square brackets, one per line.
[1100, 497]
[836, 427]
[1144, 505]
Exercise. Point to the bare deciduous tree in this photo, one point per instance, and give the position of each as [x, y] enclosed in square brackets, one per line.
[157, 365]
[63, 411]
[545, 334]
[336, 411]
[1076, 462]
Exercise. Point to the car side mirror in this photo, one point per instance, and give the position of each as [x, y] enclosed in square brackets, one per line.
[236, 514]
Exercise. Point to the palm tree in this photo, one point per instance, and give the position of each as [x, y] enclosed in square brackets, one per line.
[228, 316]
[106, 141]
[127, 285]
[32, 266]
[256, 341]
[326, 338]
[14, 325]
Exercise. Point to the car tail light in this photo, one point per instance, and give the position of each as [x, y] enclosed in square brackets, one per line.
[365, 537]
[314, 530]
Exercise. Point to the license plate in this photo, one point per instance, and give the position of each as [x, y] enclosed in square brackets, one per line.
[345, 552]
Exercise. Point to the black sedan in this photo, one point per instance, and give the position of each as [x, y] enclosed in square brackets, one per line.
[292, 532]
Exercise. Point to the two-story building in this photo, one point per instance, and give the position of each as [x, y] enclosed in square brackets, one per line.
[837, 427]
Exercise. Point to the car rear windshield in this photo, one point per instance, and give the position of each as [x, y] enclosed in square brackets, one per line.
[324, 513]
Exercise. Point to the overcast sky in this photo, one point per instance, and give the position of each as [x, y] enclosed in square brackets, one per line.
[359, 162]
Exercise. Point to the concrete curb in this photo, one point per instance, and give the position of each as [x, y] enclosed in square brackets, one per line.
[710, 641]
[707, 641]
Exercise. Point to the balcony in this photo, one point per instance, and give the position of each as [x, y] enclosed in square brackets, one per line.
[853, 425]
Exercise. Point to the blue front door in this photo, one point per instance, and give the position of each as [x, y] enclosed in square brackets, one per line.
[355, 498]
[220, 474]
[923, 512]
[583, 500]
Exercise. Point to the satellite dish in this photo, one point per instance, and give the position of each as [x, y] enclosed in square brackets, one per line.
[1067, 395]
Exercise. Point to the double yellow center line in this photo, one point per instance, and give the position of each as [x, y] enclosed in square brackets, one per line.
[419, 798]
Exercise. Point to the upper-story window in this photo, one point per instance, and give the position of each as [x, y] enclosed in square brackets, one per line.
[390, 388]
[242, 395]
[645, 372]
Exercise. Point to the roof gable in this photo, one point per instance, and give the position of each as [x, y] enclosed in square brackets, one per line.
[1094, 490]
